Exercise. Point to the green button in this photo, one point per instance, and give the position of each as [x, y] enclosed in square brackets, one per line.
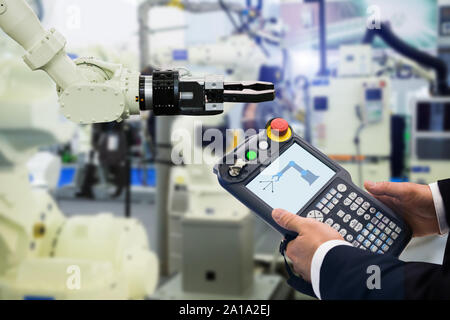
[252, 155]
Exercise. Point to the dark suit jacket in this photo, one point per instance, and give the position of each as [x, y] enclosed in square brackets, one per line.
[344, 275]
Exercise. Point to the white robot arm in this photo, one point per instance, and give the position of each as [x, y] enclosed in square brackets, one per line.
[93, 91]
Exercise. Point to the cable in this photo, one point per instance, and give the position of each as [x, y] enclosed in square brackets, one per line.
[423, 58]
[229, 15]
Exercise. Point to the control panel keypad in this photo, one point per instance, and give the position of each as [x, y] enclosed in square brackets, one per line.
[355, 218]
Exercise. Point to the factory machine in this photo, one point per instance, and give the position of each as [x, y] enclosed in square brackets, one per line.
[351, 116]
[428, 111]
[45, 255]
[429, 162]
[430, 139]
[430, 117]
[429, 128]
[352, 112]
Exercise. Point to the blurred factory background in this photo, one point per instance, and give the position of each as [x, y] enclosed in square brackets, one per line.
[89, 195]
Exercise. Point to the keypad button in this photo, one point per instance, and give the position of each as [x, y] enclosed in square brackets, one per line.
[385, 247]
[353, 223]
[358, 227]
[387, 231]
[315, 214]
[378, 242]
[391, 225]
[362, 248]
[360, 238]
[329, 221]
[336, 226]
[353, 207]
[371, 237]
[349, 238]
[340, 213]
[365, 232]
[328, 196]
[342, 187]
[385, 220]
[366, 243]
[326, 210]
[347, 201]
[373, 248]
[333, 191]
[389, 241]
[330, 206]
[347, 218]
[324, 201]
[383, 236]
[355, 244]
[374, 220]
[366, 205]
[372, 210]
[366, 216]
[343, 232]
[394, 235]
[339, 195]
[398, 230]
[381, 225]
[376, 231]
[360, 211]
[380, 252]
[379, 215]
[352, 195]
[319, 205]
[335, 201]
[369, 226]
[359, 200]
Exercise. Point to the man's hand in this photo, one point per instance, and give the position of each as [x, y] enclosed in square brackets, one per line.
[413, 201]
[311, 234]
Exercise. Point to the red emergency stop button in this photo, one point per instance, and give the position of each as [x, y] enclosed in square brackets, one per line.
[279, 130]
[279, 127]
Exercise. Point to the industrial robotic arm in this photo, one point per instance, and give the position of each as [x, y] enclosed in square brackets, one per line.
[93, 91]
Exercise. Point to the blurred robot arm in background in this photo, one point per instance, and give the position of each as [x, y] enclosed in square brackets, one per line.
[395, 63]
[93, 91]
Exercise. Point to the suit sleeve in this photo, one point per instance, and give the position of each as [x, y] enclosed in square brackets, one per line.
[353, 274]
[444, 187]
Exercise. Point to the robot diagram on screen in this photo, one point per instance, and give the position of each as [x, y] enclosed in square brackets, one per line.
[39, 247]
[306, 175]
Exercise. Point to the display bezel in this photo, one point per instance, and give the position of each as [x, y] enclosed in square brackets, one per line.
[236, 185]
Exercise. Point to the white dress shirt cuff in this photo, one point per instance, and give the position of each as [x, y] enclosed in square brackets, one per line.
[440, 209]
[317, 260]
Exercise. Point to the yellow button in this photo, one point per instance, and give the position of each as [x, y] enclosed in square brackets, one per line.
[277, 138]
